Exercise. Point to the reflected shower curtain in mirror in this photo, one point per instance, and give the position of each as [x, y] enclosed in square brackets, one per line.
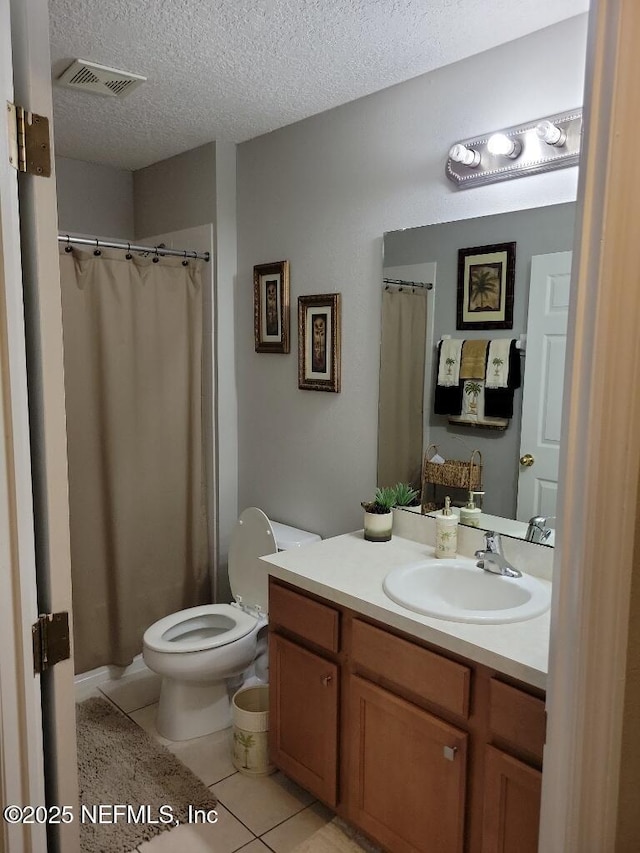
[402, 359]
[137, 491]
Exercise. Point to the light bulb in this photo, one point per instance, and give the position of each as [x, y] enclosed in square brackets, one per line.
[551, 133]
[503, 146]
[467, 156]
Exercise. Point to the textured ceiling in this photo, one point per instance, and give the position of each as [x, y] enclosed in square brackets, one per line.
[230, 70]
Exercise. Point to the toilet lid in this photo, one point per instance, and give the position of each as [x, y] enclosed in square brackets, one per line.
[251, 539]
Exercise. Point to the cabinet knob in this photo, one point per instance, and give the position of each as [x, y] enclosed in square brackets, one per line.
[326, 680]
[450, 752]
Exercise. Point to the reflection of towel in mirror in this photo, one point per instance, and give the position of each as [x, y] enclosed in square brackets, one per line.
[498, 363]
[449, 362]
[498, 402]
[473, 410]
[474, 359]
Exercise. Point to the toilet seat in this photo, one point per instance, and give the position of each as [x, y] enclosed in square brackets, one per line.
[198, 629]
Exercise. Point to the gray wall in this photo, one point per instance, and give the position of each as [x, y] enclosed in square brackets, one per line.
[176, 193]
[535, 232]
[94, 199]
[321, 193]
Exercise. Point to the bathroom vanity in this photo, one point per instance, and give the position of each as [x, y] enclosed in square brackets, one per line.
[425, 734]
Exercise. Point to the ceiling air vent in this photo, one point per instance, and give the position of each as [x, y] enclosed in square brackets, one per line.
[99, 79]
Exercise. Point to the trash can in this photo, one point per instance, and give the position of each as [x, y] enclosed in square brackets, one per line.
[250, 707]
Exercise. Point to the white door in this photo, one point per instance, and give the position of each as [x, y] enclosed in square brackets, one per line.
[543, 384]
[32, 443]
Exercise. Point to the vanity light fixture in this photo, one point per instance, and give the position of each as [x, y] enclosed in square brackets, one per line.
[466, 156]
[538, 146]
[502, 145]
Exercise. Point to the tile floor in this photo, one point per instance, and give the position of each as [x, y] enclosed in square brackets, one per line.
[268, 813]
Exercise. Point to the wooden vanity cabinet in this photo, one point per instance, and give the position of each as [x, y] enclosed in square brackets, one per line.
[407, 773]
[424, 752]
[304, 691]
[513, 770]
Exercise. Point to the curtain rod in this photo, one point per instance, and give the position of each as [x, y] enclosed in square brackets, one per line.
[427, 284]
[160, 251]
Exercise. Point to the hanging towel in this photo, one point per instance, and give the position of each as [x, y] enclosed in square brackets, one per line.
[449, 362]
[474, 359]
[447, 399]
[473, 408]
[498, 402]
[498, 363]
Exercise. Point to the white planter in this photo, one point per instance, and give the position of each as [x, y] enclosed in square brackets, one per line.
[377, 526]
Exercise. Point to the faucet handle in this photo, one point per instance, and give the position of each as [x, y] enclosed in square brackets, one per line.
[493, 542]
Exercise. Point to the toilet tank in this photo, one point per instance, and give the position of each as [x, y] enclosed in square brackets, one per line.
[291, 537]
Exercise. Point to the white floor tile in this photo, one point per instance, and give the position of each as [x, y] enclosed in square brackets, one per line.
[256, 847]
[262, 802]
[286, 836]
[225, 836]
[209, 757]
[146, 719]
[133, 691]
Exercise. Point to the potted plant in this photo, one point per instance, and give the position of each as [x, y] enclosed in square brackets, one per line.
[378, 518]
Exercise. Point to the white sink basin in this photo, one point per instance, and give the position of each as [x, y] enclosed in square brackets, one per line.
[458, 590]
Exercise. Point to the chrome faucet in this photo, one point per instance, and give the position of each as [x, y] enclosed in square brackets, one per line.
[491, 559]
[537, 531]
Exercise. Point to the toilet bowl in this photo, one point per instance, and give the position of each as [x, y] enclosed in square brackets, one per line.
[198, 650]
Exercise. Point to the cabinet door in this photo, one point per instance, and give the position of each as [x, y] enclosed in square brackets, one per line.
[303, 736]
[511, 804]
[407, 773]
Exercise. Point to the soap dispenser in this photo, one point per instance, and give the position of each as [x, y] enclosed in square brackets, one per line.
[470, 514]
[446, 531]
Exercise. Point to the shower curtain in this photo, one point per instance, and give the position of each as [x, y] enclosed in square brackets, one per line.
[137, 491]
[402, 359]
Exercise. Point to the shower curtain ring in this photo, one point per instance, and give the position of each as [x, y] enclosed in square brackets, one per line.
[128, 256]
[68, 247]
[156, 259]
[97, 251]
[185, 262]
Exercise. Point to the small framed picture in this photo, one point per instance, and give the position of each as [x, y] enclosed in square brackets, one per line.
[319, 342]
[486, 277]
[271, 307]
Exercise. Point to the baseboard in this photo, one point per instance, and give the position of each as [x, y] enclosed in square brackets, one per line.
[86, 683]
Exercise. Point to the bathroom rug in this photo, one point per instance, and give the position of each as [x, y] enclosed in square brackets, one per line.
[336, 837]
[119, 763]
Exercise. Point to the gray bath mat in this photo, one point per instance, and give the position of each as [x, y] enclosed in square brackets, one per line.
[119, 763]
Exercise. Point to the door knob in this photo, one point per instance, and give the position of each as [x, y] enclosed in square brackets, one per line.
[527, 460]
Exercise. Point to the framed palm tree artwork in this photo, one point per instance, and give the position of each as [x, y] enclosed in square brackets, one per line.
[486, 278]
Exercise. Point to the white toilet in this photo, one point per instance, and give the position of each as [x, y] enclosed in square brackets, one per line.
[197, 650]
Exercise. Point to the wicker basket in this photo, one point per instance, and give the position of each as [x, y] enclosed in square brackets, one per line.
[454, 473]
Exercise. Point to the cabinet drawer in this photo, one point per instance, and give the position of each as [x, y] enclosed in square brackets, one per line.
[308, 619]
[407, 665]
[517, 718]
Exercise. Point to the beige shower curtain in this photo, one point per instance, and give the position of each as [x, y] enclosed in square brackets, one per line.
[137, 492]
[402, 359]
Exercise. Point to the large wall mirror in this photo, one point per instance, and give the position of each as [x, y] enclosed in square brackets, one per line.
[514, 490]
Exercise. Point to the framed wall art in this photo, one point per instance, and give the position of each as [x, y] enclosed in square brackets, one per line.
[319, 342]
[486, 277]
[271, 307]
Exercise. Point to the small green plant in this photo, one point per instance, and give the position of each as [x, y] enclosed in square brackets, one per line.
[389, 496]
[405, 494]
[383, 502]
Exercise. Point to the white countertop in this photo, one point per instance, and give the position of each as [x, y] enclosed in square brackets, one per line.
[349, 571]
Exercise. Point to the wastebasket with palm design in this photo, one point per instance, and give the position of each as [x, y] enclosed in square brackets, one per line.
[250, 731]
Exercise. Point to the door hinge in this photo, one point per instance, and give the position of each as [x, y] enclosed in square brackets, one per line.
[51, 643]
[29, 146]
